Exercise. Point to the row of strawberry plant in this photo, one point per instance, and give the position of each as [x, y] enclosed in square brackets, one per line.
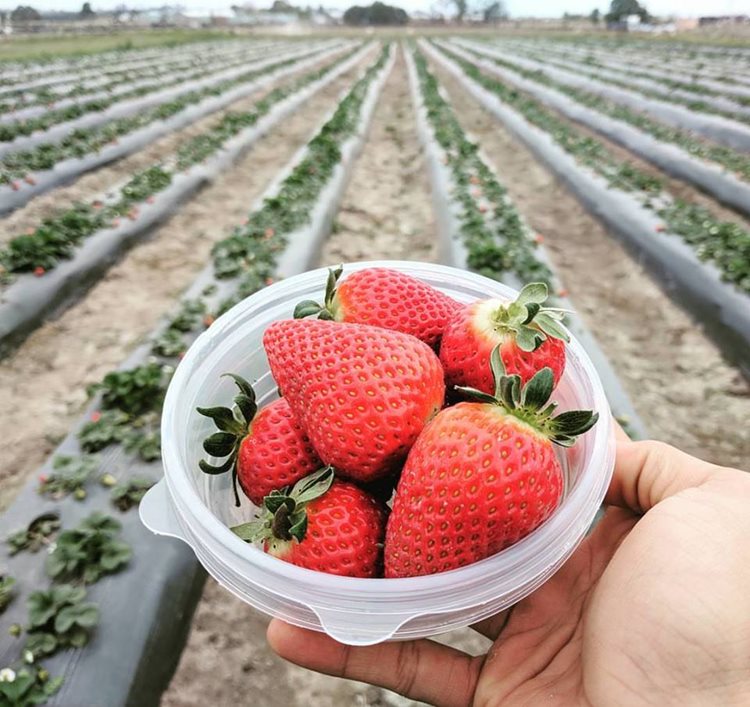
[730, 133]
[725, 243]
[57, 236]
[128, 84]
[707, 176]
[640, 66]
[51, 88]
[618, 195]
[14, 74]
[494, 236]
[732, 160]
[709, 101]
[10, 131]
[17, 165]
[227, 77]
[28, 301]
[128, 405]
[59, 618]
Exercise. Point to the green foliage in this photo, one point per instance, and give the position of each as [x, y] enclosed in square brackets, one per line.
[619, 10]
[36, 535]
[26, 685]
[135, 391]
[69, 475]
[59, 618]
[376, 14]
[724, 243]
[110, 427]
[126, 495]
[52, 241]
[6, 591]
[88, 552]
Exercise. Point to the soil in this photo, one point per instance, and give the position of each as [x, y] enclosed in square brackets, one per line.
[386, 213]
[681, 387]
[46, 378]
[100, 182]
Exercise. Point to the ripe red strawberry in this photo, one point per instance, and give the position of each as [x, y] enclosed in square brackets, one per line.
[529, 335]
[480, 477]
[363, 394]
[384, 298]
[321, 524]
[266, 449]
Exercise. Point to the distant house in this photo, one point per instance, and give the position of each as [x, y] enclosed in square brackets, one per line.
[724, 20]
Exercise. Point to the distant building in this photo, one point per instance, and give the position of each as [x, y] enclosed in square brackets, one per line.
[724, 20]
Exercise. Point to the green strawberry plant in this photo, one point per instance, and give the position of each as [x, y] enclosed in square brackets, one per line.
[36, 535]
[6, 591]
[59, 618]
[89, 551]
[26, 684]
[69, 475]
[130, 493]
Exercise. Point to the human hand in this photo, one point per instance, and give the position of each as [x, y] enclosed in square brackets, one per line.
[652, 608]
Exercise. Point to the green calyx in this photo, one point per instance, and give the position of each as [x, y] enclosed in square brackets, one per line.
[530, 403]
[233, 426]
[528, 320]
[283, 516]
[327, 310]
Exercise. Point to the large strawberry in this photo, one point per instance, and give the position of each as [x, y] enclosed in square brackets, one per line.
[363, 394]
[266, 450]
[321, 524]
[530, 337]
[384, 298]
[481, 476]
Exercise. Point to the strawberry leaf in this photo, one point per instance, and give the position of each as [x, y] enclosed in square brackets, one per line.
[537, 391]
[533, 292]
[219, 444]
[550, 326]
[307, 308]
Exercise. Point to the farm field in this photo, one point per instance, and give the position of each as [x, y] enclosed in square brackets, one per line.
[145, 190]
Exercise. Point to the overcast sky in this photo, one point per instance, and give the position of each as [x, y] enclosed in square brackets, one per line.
[517, 8]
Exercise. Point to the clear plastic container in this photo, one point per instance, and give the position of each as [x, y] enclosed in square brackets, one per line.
[198, 508]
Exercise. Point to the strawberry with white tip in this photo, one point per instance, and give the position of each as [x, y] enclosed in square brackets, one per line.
[530, 336]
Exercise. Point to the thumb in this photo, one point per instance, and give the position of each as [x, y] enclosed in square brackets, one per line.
[648, 472]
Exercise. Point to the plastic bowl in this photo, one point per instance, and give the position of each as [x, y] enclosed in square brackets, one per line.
[198, 508]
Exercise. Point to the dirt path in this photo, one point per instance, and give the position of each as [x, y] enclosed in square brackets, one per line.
[98, 182]
[46, 378]
[386, 213]
[680, 385]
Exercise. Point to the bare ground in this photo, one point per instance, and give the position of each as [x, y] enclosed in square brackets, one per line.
[96, 184]
[682, 388]
[386, 213]
[46, 378]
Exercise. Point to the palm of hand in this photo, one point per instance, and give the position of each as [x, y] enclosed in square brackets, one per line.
[651, 609]
[598, 633]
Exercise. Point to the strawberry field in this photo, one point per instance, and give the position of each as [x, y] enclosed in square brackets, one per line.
[145, 192]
